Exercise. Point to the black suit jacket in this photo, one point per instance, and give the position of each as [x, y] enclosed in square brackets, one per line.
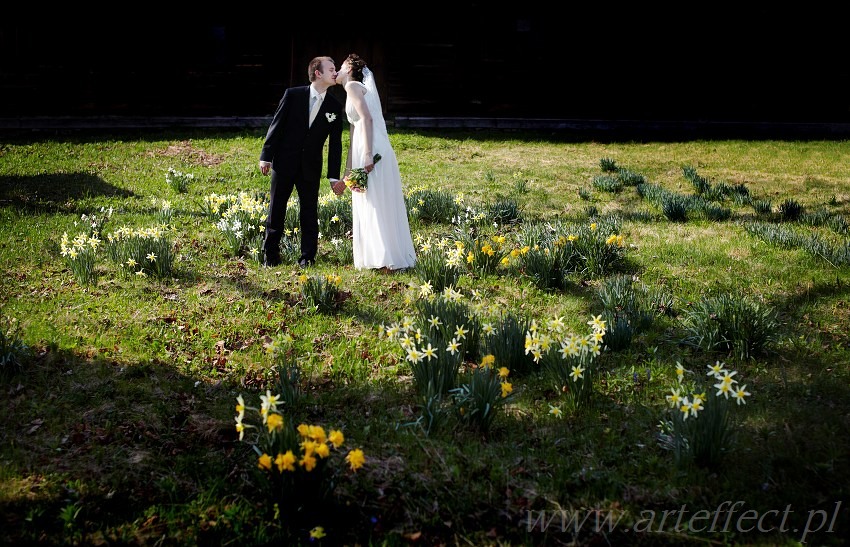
[290, 144]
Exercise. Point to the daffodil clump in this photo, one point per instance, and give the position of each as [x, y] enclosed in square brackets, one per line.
[505, 339]
[334, 212]
[80, 255]
[699, 427]
[241, 219]
[485, 390]
[437, 338]
[295, 461]
[439, 262]
[433, 206]
[165, 213]
[321, 292]
[469, 217]
[567, 357]
[142, 251]
[550, 258]
[177, 180]
[484, 255]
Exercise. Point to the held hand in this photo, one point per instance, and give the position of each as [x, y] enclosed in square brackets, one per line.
[265, 167]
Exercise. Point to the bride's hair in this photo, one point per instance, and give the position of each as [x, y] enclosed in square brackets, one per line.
[357, 65]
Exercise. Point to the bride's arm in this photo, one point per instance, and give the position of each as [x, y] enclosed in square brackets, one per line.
[348, 155]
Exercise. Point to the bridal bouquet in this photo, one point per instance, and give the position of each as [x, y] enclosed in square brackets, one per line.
[358, 178]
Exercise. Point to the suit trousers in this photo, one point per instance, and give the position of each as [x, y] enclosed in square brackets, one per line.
[308, 215]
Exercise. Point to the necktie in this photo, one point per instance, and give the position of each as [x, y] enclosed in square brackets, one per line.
[317, 103]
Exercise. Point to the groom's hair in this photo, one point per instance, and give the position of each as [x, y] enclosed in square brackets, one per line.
[316, 64]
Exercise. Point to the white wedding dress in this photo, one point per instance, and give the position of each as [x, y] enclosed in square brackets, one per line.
[380, 226]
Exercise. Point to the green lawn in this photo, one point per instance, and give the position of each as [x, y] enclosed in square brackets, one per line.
[122, 364]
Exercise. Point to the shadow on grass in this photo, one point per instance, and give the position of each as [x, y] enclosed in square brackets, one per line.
[54, 192]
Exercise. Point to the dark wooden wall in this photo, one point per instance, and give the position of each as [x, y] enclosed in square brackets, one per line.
[444, 59]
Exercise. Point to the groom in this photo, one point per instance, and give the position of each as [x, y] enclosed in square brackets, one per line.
[292, 152]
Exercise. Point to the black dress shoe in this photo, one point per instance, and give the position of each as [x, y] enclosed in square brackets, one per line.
[304, 263]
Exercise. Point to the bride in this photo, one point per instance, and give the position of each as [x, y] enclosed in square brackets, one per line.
[380, 227]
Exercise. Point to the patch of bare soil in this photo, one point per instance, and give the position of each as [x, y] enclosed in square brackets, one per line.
[189, 153]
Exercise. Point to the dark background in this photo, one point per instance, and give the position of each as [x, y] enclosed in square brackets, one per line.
[463, 59]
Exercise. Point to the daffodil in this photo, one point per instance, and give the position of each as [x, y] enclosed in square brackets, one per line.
[577, 372]
[240, 427]
[308, 462]
[429, 352]
[453, 347]
[740, 394]
[727, 377]
[285, 462]
[723, 389]
[322, 450]
[274, 422]
[355, 459]
[674, 398]
[696, 406]
[556, 411]
[685, 408]
[597, 323]
[336, 438]
[414, 355]
[269, 404]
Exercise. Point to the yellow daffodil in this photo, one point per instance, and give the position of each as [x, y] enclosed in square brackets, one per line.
[308, 462]
[355, 459]
[336, 438]
[274, 422]
[322, 450]
[285, 462]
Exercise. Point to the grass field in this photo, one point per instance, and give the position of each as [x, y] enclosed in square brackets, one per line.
[596, 285]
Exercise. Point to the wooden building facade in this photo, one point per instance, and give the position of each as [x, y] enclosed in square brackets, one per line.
[448, 59]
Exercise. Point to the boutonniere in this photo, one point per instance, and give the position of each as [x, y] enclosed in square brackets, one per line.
[330, 116]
